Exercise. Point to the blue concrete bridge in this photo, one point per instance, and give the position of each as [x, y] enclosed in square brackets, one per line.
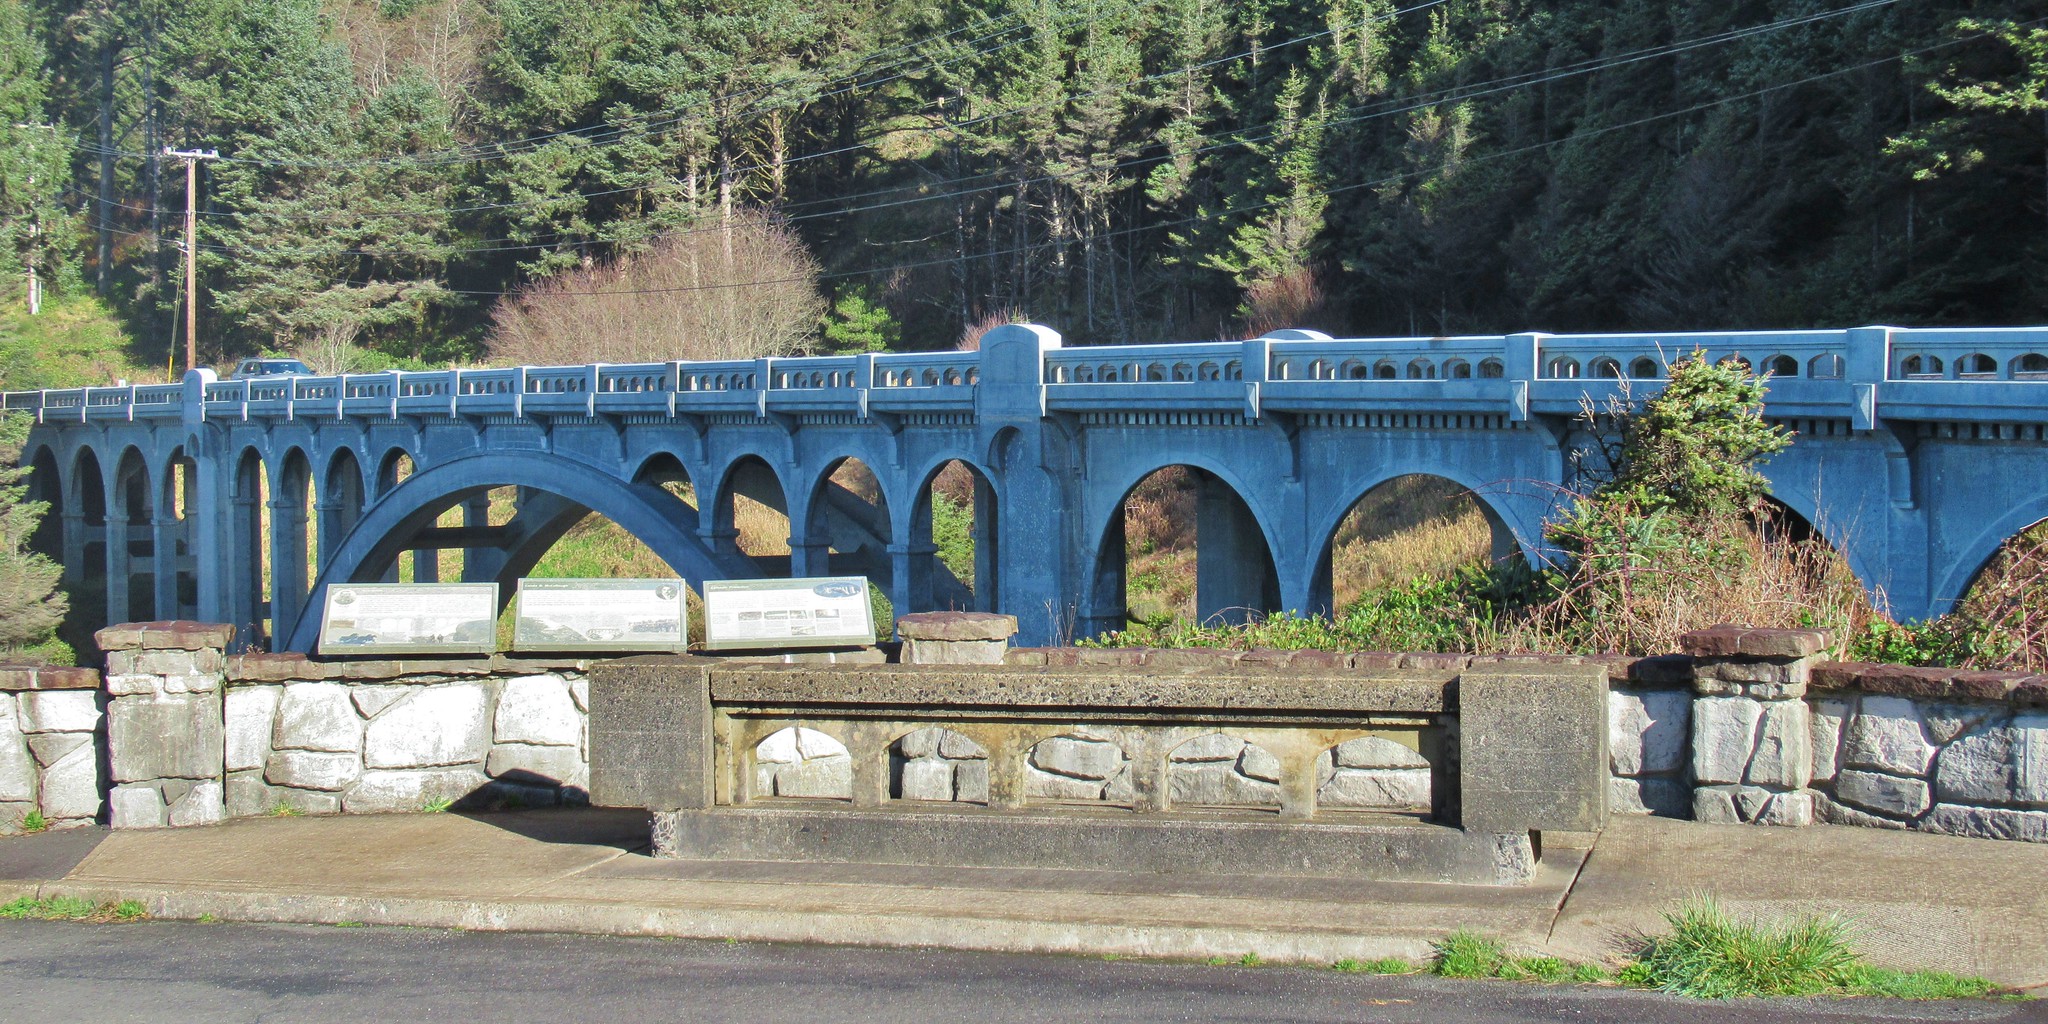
[1918, 453]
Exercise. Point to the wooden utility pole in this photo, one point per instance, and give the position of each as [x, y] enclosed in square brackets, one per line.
[191, 158]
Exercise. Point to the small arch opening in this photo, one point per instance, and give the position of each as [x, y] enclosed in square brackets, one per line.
[1217, 770]
[802, 763]
[938, 765]
[1086, 766]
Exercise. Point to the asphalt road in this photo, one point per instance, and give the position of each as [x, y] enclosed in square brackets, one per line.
[169, 971]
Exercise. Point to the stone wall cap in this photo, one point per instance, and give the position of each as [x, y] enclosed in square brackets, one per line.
[15, 678]
[1730, 641]
[167, 635]
[291, 667]
[928, 687]
[956, 626]
[1926, 683]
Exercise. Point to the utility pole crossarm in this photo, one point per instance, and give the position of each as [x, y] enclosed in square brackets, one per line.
[191, 158]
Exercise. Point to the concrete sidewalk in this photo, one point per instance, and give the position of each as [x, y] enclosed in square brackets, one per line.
[1965, 905]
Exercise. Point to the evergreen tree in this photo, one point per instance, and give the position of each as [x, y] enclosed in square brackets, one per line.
[35, 158]
[30, 605]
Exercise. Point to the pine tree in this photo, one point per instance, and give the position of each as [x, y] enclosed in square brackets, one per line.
[30, 605]
[35, 158]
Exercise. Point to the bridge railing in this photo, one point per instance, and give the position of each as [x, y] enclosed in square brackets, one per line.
[1974, 354]
[1461, 358]
[1811, 369]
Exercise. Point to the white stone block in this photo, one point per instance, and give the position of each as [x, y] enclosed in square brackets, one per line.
[1664, 797]
[812, 745]
[1988, 823]
[17, 768]
[1047, 786]
[1783, 757]
[1887, 734]
[1715, 805]
[535, 765]
[370, 701]
[1377, 752]
[390, 791]
[1077, 758]
[579, 691]
[204, 805]
[920, 742]
[60, 711]
[1829, 718]
[1258, 763]
[2030, 755]
[1647, 731]
[1945, 722]
[818, 778]
[1885, 794]
[1723, 737]
[928, 779]
[250, 714]
[955, 747]
[317, 716]
[1212, 747]
[779, 747]
[1120, 788]
[1981, 767]
[1377, 788]
[970, 782]
[1786, 809]
[49, 746]
[537, 710]
[438, 725]
[312, 769]
[135, 806]
[71, 787]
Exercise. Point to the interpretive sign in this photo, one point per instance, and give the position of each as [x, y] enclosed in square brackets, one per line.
[409, 618]
[820, 612]
[600, 615]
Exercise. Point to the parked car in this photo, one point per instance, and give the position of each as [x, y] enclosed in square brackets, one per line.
[267, 367]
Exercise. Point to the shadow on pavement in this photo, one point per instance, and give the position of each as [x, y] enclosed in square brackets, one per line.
[47, 855]
[622, 829]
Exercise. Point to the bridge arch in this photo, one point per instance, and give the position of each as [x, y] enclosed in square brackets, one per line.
[755, 478]
[1505, 542]
[1848, 538]
[648, 512]
[934, 583]
[1239, 576]
[1976, 556]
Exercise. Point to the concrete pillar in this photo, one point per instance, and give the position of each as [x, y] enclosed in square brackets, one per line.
[986, 560]
[244, 582]
[168, 531]
[74, 548]
[911, 570]
[1233, 574]
[287, 562]
[119, 565]
[426, 565]
[809, 557]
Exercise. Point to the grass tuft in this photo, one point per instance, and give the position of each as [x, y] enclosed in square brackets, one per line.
[285, 811]
[1467, 954]
[1865, 980]
[72, 908]
[1711, 954]
[1250, 960]
[34, 822]
[437, 805]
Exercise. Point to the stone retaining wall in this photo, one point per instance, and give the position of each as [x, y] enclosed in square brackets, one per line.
[50, 728]
[196, 736]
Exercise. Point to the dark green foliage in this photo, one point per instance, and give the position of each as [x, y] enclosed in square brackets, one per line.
[858, 323]
[1693, 448]
[1125, 170]
[30, 605]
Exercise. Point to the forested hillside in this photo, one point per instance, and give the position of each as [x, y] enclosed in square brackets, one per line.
[389, 170]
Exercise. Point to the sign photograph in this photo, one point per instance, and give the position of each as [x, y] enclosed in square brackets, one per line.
[601, 615]
[409, 618]
[819, 612]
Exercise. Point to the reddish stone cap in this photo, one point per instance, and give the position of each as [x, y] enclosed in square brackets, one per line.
[165, 636]
[1931, 683]
[1726, 641]
[956, 626]
[48, 677]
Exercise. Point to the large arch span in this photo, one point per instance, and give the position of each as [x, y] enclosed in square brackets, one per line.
[388, 528]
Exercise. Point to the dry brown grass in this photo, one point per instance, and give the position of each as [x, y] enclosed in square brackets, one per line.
[2009, 604]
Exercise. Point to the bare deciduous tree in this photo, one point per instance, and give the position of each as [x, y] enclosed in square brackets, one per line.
[740, 290]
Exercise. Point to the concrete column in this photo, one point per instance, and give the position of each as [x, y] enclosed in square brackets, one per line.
[208, 517]
[74, 548]
[426, 565]
[168, 530]
[910, 570]
[986, 561]
[1233, 575]
[244, 584]
[119, 566]
[809, 557]
[287, 564]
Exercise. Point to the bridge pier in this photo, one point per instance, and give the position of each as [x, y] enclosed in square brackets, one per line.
[1234, 576]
